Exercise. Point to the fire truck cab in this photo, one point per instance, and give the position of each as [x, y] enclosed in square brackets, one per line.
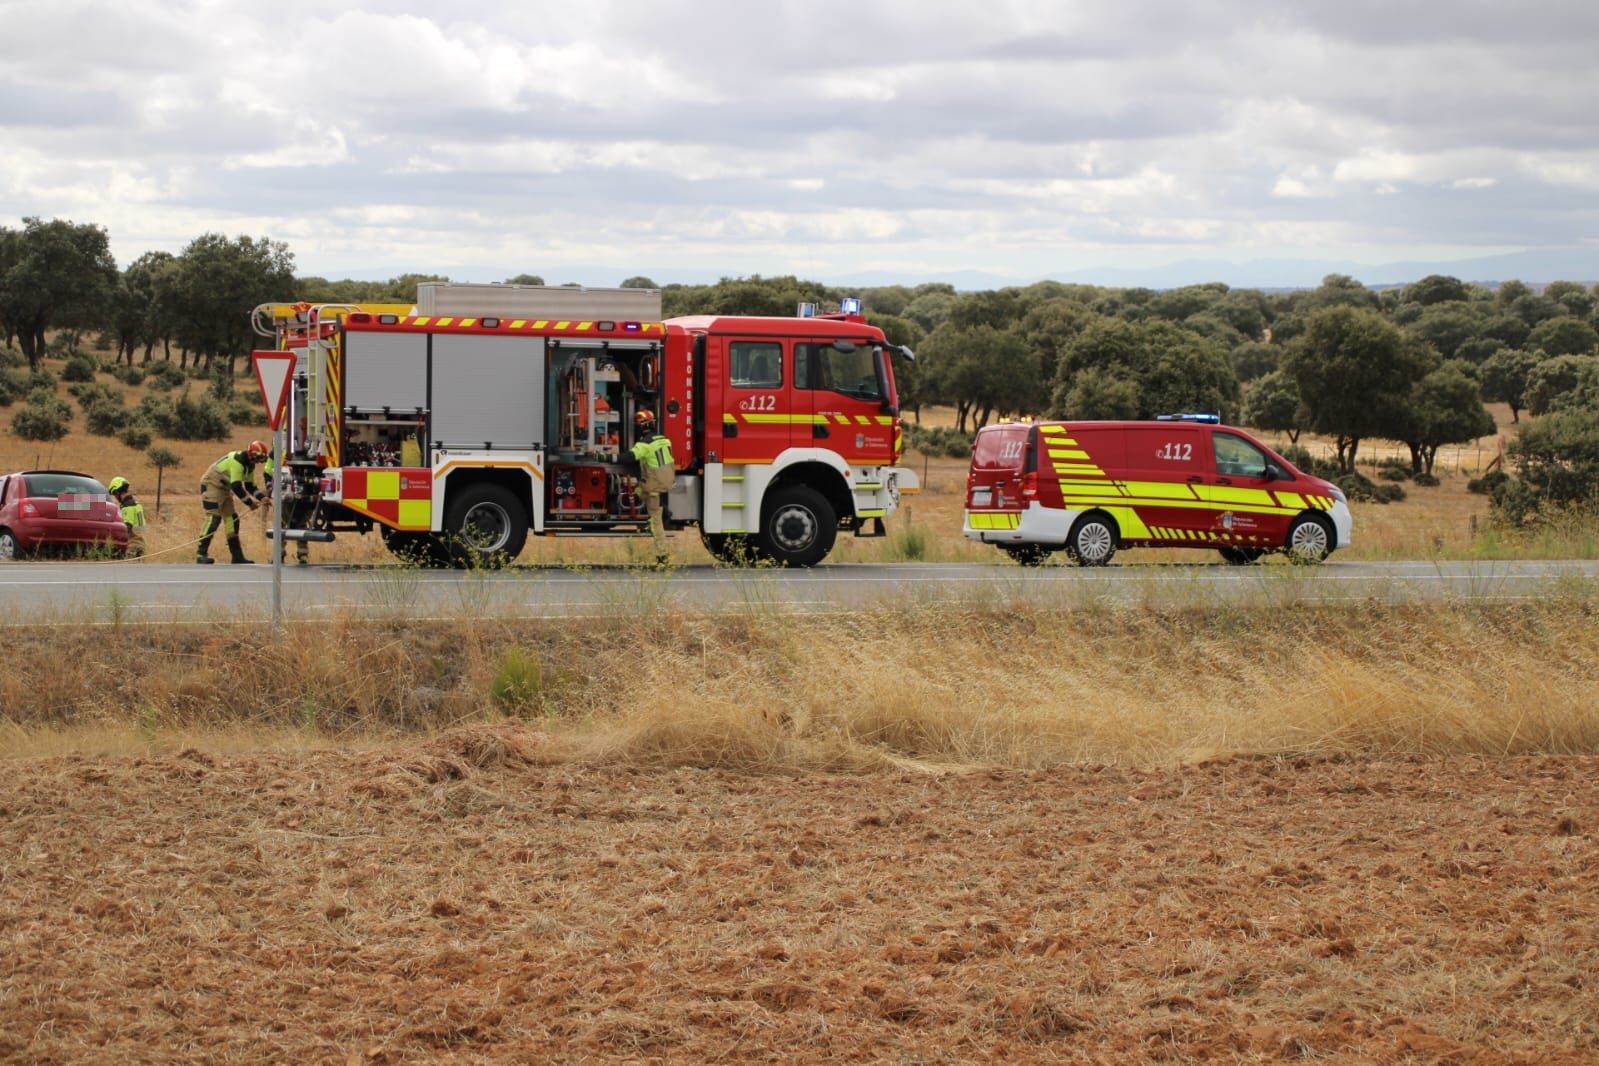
[460, 426]
[1181, 481]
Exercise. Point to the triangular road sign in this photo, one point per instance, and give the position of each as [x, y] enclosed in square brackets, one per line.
[274, 372]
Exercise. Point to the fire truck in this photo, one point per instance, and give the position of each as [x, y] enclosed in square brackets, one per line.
[482, 414]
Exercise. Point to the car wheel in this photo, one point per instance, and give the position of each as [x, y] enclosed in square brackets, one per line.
[798, 527]
[1094, 540]
[1027, 554]
[9, 548]
[487, 527]
[1240, 556]
[1309, 540]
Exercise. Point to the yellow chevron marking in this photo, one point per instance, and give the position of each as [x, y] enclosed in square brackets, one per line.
[467, 322]
[842, 420]
[444, 321]
[1161, 490]
[563, 325]
[1292, 500]
[1228, 494]
[518, 323]
[421, 321]
[1069, 453]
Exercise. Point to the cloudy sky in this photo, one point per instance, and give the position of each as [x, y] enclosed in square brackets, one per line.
[689, 140]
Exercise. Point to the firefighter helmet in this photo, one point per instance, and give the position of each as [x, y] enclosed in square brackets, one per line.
[257, 450]
[118, 484]
[643, 417]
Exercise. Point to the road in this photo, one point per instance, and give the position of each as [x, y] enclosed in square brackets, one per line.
[74, 592]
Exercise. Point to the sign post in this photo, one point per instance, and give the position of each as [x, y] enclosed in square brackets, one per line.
[274, 372]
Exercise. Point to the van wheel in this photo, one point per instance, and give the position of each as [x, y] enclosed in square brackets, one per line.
[798, 527]
[1309, 540]
[1240, 556]
[1027, 554]
[487, 527]
[1093, 540]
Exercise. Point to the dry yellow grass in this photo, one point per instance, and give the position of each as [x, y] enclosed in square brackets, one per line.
[1015, 684]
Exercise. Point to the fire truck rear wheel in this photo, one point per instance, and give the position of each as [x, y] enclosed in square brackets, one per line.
[1027, 554]
[735, 549]
[487, 526]
[798, 527]
[418, 549]
[1094, 539]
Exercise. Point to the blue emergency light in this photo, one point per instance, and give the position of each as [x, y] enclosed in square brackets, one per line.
[1190, 417]
[850, 305]
[806, 311]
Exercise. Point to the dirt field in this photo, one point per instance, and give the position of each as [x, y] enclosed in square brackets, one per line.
[460, 901]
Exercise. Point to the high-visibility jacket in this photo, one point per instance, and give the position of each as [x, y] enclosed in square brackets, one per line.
[132, 511]
[235, 471]
[657, 468]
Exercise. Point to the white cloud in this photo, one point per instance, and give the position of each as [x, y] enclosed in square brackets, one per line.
[1017, 136]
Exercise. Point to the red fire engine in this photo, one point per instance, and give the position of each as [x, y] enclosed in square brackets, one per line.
[485, 413]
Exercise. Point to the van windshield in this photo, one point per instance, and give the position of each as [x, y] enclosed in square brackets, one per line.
[1000, 448]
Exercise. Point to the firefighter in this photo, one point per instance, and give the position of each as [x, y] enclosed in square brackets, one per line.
[286, 509]
[230, 477]
[657, 470]
[132, 514]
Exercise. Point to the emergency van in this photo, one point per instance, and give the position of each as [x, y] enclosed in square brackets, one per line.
[1181, 481]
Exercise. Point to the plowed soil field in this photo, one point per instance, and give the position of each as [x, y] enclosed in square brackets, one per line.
[463, 900]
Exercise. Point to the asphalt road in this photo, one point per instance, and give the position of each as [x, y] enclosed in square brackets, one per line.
[73, 592]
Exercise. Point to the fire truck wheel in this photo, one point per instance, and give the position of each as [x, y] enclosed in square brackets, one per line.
[486, 527]
[1309, 539]
[798, 527]
[1240, 556]
[1027, 554]
[1093, 540]
[418, 549]
[734, 549]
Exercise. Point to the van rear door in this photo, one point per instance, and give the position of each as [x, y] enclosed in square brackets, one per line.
[1001, 457]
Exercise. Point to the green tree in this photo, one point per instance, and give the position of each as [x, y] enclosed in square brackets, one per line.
[1445, 408]
[1552, 380]
[1557, 461]
[1448, 326]
[1051, 325]
[1273, 404]
[1172, 369]
[1253, 359]
[534, 279]
[1563, 336]
[1573, 297]
[636, 282]
[56, 275]
[1436, 289]
[1504, 378]
[1355, 370]
[1098, 392]
[213, 287]
[980, 371]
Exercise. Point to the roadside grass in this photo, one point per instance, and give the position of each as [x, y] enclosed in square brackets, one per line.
[1025, 677]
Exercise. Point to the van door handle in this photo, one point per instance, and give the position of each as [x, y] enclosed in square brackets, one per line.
[1194, 479]
[1224, 481]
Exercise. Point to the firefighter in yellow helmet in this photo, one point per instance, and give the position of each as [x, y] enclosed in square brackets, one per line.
[657, 471]
[230, 477]
[132, 514]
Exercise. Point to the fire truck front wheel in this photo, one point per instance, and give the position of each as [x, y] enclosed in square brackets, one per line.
[798, 527]
[487, 526]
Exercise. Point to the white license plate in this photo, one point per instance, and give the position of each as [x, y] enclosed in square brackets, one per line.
[982, 497]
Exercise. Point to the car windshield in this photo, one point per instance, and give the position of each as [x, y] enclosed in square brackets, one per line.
[41, 485]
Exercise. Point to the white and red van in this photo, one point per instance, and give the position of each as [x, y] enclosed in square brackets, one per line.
[1182, 481]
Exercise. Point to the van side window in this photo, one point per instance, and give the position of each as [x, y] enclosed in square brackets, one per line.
[755, 364]
[1236, 457]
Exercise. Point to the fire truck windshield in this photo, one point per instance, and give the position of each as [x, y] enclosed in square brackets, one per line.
[853, 373]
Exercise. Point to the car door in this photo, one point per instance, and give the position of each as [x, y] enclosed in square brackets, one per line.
[1243, 510]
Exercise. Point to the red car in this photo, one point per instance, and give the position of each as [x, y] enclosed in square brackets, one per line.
[60, 509]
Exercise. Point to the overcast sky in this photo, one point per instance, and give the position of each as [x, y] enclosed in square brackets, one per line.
[690, 140]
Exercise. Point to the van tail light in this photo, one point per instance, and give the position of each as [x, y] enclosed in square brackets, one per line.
[1030, 486]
